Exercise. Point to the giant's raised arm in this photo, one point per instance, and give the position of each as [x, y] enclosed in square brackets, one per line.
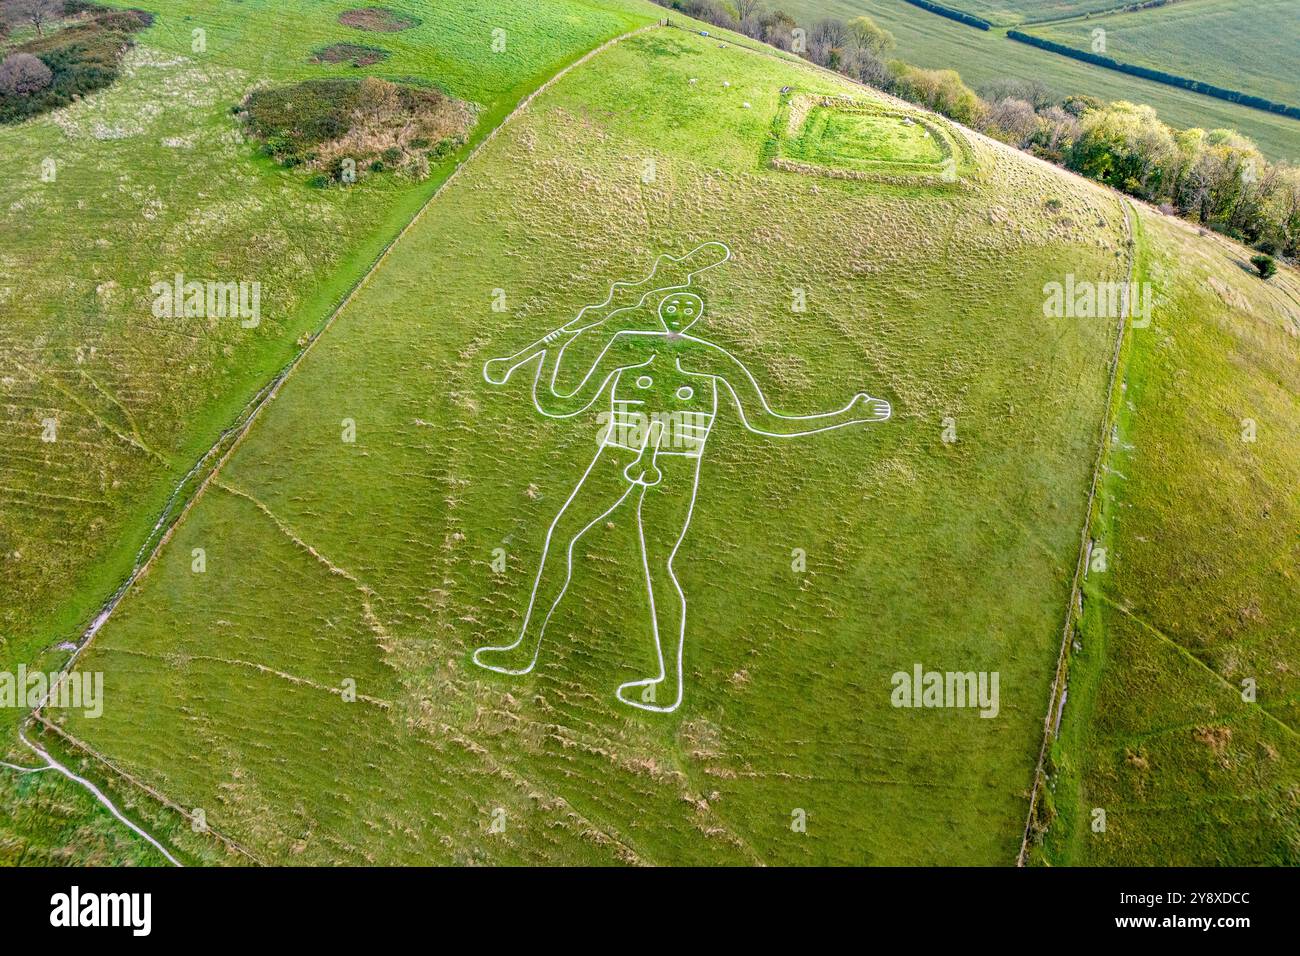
[547, 396]
[497, 371]
[620, 309]
[755, 412]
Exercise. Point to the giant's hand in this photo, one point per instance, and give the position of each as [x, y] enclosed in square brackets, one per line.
[498, 370]
[868, 409]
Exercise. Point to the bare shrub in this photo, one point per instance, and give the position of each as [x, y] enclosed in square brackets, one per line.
[36, 12]
[1012, 120]
[24, 74]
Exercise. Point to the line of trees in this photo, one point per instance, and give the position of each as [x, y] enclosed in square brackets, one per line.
[36, 12]
[1216, 178]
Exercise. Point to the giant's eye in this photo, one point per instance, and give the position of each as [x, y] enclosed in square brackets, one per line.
[672, 309]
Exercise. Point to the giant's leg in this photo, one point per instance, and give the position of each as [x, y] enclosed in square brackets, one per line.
[663, 516]
[598, 492]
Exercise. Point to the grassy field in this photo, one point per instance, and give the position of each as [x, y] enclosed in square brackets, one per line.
[151, 178]
[928, 40]
[1234, 44]
[370, 561]
[46, 820]
[845, 137]
[1012, 12]
[1157, 730]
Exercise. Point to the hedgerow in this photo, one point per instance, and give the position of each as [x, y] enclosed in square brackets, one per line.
[951, 14]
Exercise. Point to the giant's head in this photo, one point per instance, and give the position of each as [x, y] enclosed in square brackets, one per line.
[680, 310]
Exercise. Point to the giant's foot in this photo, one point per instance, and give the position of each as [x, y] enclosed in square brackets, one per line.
[652, 693]
[510, 659]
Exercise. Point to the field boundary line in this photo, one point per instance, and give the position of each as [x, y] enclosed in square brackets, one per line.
[243, 424]
[1187, 655]
[99, 795]
[78, 744]
[1055, 700]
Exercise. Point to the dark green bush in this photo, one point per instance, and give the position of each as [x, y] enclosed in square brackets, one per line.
[1264, 265]
[291, 120]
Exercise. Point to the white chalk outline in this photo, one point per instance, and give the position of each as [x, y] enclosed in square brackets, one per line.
[52, 764]
[880, 411]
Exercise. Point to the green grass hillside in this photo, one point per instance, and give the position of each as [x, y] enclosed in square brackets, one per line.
[1183, 716]
[150, 178]
[294, 669]
[371, 561]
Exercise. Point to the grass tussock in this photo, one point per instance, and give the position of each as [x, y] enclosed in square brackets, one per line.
[377, 20]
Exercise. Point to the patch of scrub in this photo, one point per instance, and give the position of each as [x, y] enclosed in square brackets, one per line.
[76, 53]
[355, 53]
[344, 129]
[378, 20]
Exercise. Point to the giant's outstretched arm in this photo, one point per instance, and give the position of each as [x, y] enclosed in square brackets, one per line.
[547, 397]
[758, 416]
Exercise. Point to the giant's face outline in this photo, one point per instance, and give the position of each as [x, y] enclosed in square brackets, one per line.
[680, 310]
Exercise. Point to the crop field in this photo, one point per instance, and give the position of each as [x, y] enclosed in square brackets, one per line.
[1234, 44]
[982, 57]
[105, 405]
[1183, 717]
[311, 689]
